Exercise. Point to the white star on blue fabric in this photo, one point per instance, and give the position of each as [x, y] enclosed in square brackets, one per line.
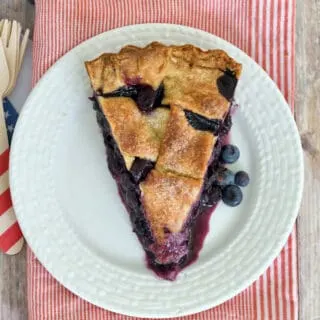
[11, 116]
[10, 128]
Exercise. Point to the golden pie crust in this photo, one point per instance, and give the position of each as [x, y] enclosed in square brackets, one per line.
[180, 152]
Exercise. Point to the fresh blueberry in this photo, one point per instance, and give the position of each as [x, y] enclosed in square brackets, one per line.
[223, 177]
[229, 153]
[242, 179]
[232, 195]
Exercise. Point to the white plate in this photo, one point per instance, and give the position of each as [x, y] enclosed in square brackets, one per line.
[70, 213]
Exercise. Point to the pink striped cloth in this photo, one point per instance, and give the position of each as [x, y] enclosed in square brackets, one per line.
[262, 28]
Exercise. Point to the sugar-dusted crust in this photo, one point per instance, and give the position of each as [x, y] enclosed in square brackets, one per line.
[188, 73]
[191, 79]
[157, 120]
[184, 150]
[196, 92]
[168, 199]
[130, 128]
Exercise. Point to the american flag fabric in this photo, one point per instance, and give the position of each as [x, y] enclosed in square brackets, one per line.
[262, 28]
[11, 239]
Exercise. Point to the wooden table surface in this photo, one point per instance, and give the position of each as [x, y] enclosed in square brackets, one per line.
[13, 303]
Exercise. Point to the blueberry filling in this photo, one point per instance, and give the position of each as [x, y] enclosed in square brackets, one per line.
[210, 196]
[227, 124]
[227, 84]
[128, 188]
[140, 168]
[201, 123]
[144, 95]
[181, 249]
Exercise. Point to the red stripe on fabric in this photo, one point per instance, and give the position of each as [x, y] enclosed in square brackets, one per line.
[227, 33]
[286, 45]
[219, 17]
[5, 202]
[290, 267]
[236, 20]
[239, 23]
[264, 35]
[271, 38]
[281, 46]
[10, 237]
[250, 29]
[262, 296]
[295, 272]
[269, 293]
[260, 31]
[254, 300]
[243, 304]
[283, 276]
[277, 44]
[248, 303]
[243, 24]
[257, 35]
[276, 285]
[4, 162]
[293, 53]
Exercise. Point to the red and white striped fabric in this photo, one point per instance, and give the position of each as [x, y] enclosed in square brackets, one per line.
[262, 28]
[11, 239]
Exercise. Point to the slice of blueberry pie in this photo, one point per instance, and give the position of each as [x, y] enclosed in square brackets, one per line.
[164, 111]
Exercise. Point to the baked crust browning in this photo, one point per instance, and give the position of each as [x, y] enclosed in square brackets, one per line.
[184, 150]
[189, 74]
[168, 199]
[130, 128]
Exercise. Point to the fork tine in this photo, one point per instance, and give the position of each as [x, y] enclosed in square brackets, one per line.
[18, 46]
[15, 41]
[13, 33]
[1, 25]
[6, 32]
[23, 46]
[14, 47]
[12, 55]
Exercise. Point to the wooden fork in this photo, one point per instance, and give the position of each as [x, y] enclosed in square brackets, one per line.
[11, 57]
[10, 35]
[4, 83]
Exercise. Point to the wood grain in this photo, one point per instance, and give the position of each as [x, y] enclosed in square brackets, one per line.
[307, 115]
[13, 304]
